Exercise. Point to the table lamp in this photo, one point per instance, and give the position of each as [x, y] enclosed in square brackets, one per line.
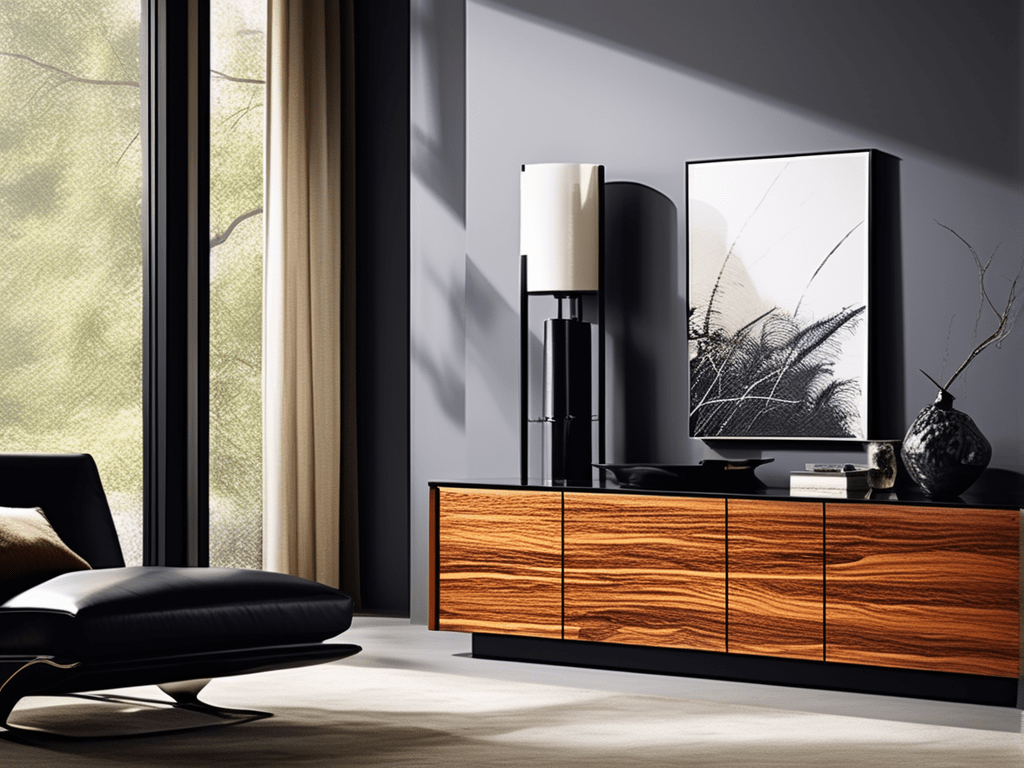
[561, 247]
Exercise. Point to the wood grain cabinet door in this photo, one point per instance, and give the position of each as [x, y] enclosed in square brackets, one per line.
[497, 561]
[923, 588]
[645, 570]
[777, 578]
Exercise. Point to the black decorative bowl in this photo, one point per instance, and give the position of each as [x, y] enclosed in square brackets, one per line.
[708, 475]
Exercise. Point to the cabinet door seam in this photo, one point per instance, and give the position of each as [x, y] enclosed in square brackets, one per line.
[727, 575]
[824, 584]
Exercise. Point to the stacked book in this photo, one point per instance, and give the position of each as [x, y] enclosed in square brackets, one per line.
[838, 480]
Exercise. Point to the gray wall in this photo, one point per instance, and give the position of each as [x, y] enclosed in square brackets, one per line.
[643, 86]
[437, 269]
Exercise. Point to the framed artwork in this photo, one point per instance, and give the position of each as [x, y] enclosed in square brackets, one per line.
[777, 296]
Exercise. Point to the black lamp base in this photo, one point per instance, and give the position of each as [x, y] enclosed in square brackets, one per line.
[567, 398]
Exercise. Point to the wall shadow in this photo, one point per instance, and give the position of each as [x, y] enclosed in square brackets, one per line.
[438, 126]
[999, 484]
[492, 333]
[432, 355]
[892, 67]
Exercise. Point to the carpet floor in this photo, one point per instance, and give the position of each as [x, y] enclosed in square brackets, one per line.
[347, 715]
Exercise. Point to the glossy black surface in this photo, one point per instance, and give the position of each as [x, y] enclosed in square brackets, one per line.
[913, 496]
[711, 474]
[944, 686]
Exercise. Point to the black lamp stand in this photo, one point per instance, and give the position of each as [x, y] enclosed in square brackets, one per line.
[567, 384]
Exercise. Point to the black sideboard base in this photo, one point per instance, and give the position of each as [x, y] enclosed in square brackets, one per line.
[942, 686]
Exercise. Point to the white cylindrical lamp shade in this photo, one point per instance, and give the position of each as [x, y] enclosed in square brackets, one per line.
[559, 226]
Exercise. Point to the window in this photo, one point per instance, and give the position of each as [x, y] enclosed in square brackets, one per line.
[71, 277]
[238, 71]
[70, 247]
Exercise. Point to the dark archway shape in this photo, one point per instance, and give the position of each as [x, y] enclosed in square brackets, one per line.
[646, 325]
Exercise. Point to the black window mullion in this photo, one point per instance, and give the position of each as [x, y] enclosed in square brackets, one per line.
[175, 121]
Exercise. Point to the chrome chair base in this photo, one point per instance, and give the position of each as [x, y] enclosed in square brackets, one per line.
[184, 697]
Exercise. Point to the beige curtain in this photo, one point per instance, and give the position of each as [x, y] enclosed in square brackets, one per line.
[310, 520]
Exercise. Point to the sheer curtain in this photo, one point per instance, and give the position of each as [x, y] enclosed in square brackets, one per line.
[310, 515]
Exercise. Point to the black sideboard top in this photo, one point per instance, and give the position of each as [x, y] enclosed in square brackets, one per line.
[907, 496]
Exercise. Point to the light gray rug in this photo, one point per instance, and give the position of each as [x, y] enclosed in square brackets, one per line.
[345, 715]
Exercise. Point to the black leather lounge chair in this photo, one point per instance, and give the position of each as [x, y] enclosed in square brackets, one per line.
[111, 626]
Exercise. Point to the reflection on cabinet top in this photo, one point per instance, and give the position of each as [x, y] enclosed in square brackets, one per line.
[904, 497]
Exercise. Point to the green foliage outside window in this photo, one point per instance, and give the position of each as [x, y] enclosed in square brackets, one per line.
[70, 248]
[71, 259]
[238, 61]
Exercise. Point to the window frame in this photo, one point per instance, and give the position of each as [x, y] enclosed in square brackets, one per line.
[175, 111]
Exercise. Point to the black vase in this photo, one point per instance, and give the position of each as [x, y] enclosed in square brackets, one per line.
[944, 451]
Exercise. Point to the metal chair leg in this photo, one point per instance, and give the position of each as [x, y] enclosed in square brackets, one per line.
[20, 676]
[25, 676]
[185, 691]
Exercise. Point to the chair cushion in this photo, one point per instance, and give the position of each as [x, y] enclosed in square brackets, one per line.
[145, 611]
[31, 551]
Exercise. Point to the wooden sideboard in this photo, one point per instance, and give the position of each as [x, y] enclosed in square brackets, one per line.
[881, 585]
[502, 560]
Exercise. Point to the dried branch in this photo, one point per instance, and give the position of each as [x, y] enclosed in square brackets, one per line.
[222, 238]
[125, 150]
[255, 368]
[945, 353]
[248, 80]
[933, 381]
[68, 77]
[1005, 317]
[236, 117]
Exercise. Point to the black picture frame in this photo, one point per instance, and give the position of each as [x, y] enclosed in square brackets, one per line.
[779, 253]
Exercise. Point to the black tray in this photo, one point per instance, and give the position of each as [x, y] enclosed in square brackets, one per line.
[708, 475]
